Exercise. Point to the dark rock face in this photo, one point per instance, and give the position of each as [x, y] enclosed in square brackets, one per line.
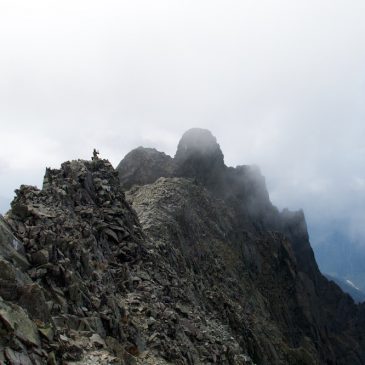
[144, 166]
[249, 279]
[201, 143]
[199, 156]
[194, 265]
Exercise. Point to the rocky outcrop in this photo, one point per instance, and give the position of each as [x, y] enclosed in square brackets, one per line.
[144, 166]
[77, 235]
[20, 298]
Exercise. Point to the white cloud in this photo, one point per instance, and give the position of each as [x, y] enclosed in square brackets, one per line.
[281, 84]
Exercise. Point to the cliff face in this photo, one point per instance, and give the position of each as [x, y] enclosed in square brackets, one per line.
[312, 317]
[192, 265]
[144, 166]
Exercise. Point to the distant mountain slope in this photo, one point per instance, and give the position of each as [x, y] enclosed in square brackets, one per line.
[342, 258]
[357, 295]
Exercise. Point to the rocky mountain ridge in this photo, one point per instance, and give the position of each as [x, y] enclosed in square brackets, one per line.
[166, 261]
[321, 311]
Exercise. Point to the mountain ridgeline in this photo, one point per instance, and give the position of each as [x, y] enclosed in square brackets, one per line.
[166, 261]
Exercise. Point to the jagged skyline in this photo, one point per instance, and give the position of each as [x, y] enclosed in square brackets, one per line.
[190, 264]
[280, 85]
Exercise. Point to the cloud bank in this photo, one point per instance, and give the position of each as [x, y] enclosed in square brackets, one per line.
[280, 84]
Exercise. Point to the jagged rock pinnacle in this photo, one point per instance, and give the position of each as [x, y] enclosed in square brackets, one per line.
[199, 142]
[199, 156]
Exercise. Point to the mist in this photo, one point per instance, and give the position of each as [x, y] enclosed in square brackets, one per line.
[280, 84]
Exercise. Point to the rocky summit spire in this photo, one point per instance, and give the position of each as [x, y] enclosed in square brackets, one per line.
[198, 142]
[199, 156]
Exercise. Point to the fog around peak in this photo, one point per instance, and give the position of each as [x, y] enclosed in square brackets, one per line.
[199, 142]
[280, 84]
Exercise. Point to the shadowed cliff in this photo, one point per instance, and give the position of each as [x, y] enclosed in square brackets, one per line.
[314, 313]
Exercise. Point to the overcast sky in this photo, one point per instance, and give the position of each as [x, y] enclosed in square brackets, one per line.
[281, 84]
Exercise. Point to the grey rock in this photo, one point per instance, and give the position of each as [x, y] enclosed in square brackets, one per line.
[17, 358]
[19, 324]
[97, 341]
[40, 257]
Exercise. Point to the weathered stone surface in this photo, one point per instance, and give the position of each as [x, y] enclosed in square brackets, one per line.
[11, 249]
[17, 358]
[12, 279]
[97, 341]
[40, 257]
[144, 166]
[33, 300]
[18, 323]
[47, 332]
